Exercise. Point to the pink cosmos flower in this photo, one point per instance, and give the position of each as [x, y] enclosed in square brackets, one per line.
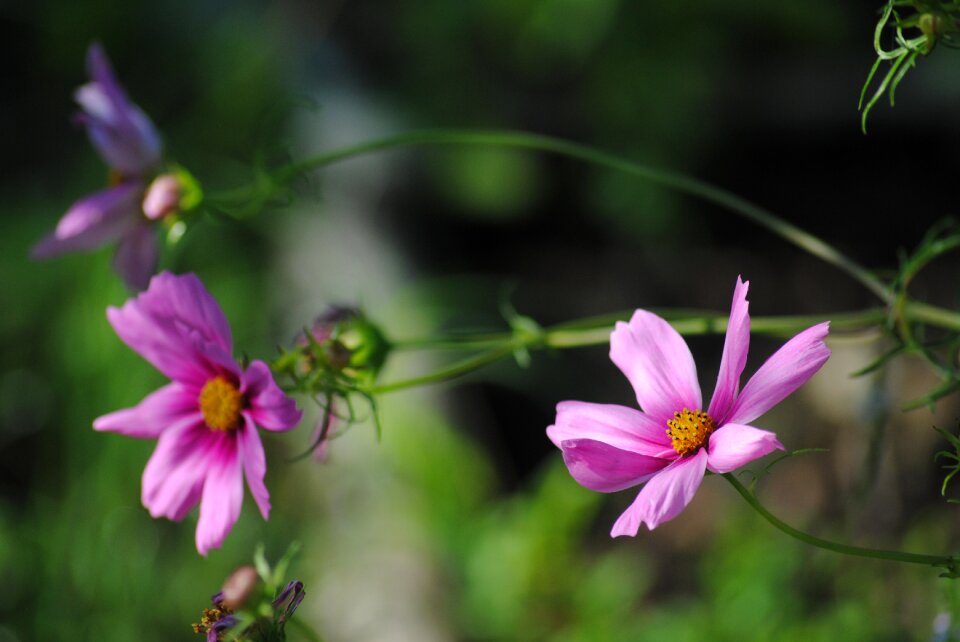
[206, 419]
[130, 145]
[671, 441]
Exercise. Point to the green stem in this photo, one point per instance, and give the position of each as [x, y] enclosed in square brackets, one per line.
[457, 370]
[947, 561]
[522, 140]
[924, 313]
[305, 630]
[596, 331]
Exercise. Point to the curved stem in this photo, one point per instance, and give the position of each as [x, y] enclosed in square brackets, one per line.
[673, 180]
[947, 561]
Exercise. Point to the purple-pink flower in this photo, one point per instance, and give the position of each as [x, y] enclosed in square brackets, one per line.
[671, 441]
[130, 145]
[206, 419]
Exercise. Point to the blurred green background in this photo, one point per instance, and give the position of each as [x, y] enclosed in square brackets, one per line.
[462, 523]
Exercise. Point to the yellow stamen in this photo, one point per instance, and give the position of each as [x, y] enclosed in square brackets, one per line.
[689, 430]
[221, 403]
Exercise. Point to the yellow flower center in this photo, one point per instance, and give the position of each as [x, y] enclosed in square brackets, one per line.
[221, 403]
[689, 430]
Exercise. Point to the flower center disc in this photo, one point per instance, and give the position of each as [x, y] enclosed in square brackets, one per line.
[220, 403]
[688, 430]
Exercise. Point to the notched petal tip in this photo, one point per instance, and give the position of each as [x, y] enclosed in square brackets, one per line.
[97, 61]
[733, 446]
[785, 371]
[663, 497]
[736, 345]
[657, 362]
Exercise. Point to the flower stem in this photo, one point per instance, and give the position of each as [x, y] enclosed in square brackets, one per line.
[457, 370]
[523, 140]
[596, 331]
[949, 562]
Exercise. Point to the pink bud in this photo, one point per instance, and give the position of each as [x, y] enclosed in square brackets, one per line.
[238, 587]
[163, 196]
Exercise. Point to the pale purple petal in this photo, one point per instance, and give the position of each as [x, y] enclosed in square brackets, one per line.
[254, 464]
[735, 347]
[604, 468]
[658, 363]
[93, 221]
[174, 476]
[664, 496]
[121, 132]
[269, 408]
[136, 257]
[621, 427]
[733, 445]
[157, 412]
[222, 493]
[785, 371]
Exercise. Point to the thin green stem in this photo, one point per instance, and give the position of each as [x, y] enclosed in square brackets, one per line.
[947, 561]
[523, 140]
[596, 331]
[457, 370]
[931, 314]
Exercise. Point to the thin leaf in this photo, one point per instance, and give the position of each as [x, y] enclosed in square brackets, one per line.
[879, 362]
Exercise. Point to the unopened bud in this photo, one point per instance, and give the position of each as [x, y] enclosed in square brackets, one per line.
[349, 339]
[932, 24]
[163, 197]
[238, 587]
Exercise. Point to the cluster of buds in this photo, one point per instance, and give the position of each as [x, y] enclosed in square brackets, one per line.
[249, 606]
[337, 357]
[340, 344]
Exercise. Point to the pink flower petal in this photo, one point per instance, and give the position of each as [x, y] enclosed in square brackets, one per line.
[222, 494]
[618, 426]
[174, 476]
[604, 468]
[254, 465]
[664, 496]
[136, 257]
[93, 221]
[270, 408]
[735, 347]
[785, 371]
[658, 363]
[185, 298]
[178, 327]
[157, 412]
[733, 445]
